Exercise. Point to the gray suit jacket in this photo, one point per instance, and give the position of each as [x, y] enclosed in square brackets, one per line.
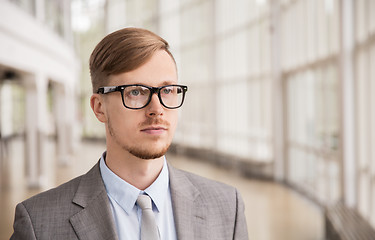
[80, 209]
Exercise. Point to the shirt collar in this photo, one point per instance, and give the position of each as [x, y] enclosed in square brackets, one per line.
[126, 194]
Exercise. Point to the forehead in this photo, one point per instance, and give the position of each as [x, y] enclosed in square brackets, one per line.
[159, 70]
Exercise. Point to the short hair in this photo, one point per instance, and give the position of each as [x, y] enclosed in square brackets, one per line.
[123, 51]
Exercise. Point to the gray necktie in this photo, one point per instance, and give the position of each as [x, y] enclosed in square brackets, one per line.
[149, 229]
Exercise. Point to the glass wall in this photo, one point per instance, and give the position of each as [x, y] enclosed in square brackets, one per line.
[229, 110]
[54, 13]
[244, 126]
[89, 22]
[313, 132]
[310, 48]
[12, 109]
[364, 61]
[142, 13]
[196, 55]
[27, 5]
[225, 54]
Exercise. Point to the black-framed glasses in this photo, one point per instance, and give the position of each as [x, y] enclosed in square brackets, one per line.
[137, 96]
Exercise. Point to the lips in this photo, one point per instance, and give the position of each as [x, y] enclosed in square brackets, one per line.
[154, 130]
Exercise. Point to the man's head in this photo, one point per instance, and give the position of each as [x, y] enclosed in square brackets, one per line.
[136, 94]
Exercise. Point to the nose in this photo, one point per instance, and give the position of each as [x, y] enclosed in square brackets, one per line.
[154, 108]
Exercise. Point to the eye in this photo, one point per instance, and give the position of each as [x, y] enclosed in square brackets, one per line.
[134, 92]
[167, 90]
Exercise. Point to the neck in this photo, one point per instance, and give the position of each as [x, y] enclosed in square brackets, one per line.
[140, 173]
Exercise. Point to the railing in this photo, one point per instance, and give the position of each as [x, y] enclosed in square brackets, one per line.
[343, 223]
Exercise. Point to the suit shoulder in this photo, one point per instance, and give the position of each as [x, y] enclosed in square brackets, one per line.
[216, 195]
[204, 183]
[64, 192]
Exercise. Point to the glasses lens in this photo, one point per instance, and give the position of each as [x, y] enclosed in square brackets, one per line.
[136, 96]
[172, 96]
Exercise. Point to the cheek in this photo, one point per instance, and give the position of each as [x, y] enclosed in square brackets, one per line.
[173, 120]
[123, 122]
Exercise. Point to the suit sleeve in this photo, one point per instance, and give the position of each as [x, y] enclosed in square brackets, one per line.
[240, 231]
[23, 228]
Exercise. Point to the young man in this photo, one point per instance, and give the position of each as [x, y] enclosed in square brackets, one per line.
[136, 96]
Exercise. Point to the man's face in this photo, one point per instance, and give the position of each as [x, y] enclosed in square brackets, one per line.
[145, 133]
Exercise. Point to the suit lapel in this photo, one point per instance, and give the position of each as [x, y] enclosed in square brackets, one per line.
[95, 220]
[188, 207]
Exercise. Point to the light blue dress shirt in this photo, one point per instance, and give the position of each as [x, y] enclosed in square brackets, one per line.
[127, 214]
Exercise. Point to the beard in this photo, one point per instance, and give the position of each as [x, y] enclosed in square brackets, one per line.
[141, 151]
[147, 154]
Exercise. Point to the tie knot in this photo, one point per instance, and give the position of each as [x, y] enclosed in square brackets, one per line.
[144, 201]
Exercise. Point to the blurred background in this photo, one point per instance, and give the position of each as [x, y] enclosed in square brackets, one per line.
[281, 103]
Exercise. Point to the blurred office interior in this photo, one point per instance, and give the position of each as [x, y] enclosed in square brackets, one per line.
[281, 96]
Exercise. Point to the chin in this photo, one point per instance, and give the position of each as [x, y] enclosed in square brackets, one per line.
[148, 154]
[149, 151]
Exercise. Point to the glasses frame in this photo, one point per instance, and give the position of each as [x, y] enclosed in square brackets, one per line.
[153, 90]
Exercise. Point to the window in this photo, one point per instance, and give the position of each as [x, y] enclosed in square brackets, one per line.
[365, 101]
[309, 63]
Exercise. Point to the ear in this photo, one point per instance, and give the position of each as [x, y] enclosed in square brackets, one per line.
[97, 106]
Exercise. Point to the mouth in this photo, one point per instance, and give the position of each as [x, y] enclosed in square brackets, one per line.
[154, 130]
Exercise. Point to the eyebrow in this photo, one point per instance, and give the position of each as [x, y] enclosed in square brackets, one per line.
[171, 82]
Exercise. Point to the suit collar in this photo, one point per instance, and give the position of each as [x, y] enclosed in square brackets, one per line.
[90, 187]
[95, 220]
[189, 207]
[126, 194]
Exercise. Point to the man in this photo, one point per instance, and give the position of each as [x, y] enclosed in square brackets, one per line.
[136, 96]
